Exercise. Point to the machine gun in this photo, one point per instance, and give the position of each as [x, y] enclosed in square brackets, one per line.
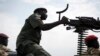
[84, 23]
[81, 24]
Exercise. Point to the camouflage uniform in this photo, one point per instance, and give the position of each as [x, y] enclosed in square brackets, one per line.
[29, 38]
[92, 52]
[3, 50]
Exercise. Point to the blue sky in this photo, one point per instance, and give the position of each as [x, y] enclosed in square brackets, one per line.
[58, 41]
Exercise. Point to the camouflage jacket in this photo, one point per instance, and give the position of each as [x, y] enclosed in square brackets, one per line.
[3, 50]
[91, 52]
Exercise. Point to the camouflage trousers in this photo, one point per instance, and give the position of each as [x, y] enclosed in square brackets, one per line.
[31, 50]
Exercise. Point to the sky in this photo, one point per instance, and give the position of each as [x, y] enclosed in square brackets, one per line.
[57, 41]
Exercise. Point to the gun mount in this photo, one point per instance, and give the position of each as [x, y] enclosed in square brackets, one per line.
[59, 12]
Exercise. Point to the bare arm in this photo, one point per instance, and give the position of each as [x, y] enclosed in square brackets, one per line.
[49, 26]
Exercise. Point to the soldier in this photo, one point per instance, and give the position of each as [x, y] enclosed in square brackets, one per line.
[29, 38]
[92, 44]
[3, 45]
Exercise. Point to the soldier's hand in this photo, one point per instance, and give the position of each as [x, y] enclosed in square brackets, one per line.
[64, 20]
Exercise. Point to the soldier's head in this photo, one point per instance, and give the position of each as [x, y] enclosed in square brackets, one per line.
[92, 41]
[42, 12]
[3, 39]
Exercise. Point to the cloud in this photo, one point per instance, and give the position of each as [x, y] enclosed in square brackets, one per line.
[10, 26]
[82, 8]
[78, 1]
[3, 0]
[36, 1]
